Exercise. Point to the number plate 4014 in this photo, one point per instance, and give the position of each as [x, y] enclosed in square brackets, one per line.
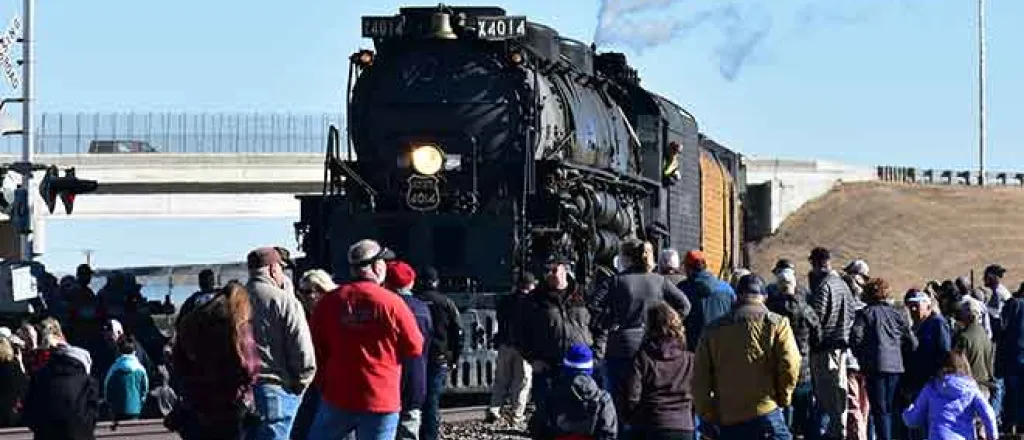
[500, 28]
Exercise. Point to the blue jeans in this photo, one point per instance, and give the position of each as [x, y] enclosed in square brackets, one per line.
[996, 399]
[277, 408]
[431, 422]
[616, 369]
[769, 426]
[799, 413]
[304, 416]
[332, 423]
[881, 396]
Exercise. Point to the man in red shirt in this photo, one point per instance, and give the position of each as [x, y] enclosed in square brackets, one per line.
[361, 333]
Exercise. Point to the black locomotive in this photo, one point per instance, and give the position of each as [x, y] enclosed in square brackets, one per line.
[483, 144]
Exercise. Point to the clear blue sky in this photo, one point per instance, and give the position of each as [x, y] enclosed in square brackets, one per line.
[857, 81]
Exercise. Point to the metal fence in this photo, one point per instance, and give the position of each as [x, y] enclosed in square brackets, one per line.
[72, 133]
[947, 177]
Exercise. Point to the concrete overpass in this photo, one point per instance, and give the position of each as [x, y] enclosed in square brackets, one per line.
[191, 185]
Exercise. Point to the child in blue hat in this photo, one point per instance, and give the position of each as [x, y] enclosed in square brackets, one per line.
[576, 408]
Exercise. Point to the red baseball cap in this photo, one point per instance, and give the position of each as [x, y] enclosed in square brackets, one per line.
[400, 274]
[692, 258]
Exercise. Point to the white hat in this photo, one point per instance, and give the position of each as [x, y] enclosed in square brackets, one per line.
[7, 334]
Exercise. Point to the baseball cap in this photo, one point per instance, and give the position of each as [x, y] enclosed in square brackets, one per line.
[996, 270]
[262, 257]
[783, 263]
[916, 296]
[750, 284]
[366, 251]
[693, 257]
[399, 275]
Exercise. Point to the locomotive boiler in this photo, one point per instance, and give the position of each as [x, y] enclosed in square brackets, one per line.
[483, 144]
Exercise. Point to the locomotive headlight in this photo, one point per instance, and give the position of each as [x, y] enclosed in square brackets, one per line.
[427, 159]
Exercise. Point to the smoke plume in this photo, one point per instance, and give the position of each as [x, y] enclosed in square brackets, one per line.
[744, 25]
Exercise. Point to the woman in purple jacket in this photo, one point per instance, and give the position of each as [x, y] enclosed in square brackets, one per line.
[949, 404]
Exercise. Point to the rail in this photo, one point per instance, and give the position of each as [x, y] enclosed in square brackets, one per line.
[237, 133]
[153, 429]
[928, 176]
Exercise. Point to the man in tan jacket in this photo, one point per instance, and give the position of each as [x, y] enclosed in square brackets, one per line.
[747, 367]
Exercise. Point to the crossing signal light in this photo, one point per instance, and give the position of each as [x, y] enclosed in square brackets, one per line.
[67, 187]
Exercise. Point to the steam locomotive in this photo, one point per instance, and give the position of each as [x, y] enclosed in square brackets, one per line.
[483, 144]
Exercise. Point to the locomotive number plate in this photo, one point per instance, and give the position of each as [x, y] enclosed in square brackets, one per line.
[383, 27]
[423, 193]
[500, 28]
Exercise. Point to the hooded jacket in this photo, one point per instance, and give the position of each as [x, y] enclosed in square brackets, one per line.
[879, 337]
[63, 400]
[948, 406]
[576, 407]
[658, 393]
[126, 386]
[710, 297]
[559, 320]
[805, 323]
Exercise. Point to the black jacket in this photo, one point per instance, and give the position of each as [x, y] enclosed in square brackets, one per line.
[575, 405]
[13, 384]
[624, 308]
[63, 401]
[834, 304]
[658, 392]
[880, 336]
[513, 318]
[805, 324]
[446, 334]
[558, 320]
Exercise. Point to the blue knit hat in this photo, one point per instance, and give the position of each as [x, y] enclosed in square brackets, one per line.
[579, 358]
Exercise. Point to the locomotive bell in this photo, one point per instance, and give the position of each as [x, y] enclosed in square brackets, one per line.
[441, 26]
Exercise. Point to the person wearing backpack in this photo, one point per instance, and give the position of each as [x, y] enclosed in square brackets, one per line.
[576, 408]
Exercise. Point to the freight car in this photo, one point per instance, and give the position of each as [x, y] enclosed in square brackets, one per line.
[483, 144]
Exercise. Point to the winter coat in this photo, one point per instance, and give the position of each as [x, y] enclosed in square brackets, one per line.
[947, 406]
[1010, 345]
[747, 365]
[879, 337]
[934, 340]
[835, 305]
[624, 306]
[806, 327]
[162, 398]
[657, 392]
[126, 386]
[414, 370]
[576, 407]
[711, 298]
[558, 320]
[13, 384]
[282, 335]
[445, 341]
[512, 319]
[977, 348]
[63, 400]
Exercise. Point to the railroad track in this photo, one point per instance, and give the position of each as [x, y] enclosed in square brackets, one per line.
[153, 429]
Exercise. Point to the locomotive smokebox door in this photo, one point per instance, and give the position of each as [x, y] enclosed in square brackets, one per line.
[423, 193]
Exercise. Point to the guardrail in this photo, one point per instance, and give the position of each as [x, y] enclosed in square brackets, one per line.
[929, 176]
[72, 133]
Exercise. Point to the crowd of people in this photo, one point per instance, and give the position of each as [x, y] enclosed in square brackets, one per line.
[663, 349]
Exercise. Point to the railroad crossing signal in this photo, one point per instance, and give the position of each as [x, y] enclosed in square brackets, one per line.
[67, 187]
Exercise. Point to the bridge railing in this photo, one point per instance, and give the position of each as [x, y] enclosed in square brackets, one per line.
[72, 133]
[928, 176]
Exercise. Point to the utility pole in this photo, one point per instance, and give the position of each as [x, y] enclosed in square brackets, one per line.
[88, 256]
[28, 118]
[981, 92]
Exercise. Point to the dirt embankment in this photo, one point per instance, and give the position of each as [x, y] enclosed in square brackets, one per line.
[908, 234]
